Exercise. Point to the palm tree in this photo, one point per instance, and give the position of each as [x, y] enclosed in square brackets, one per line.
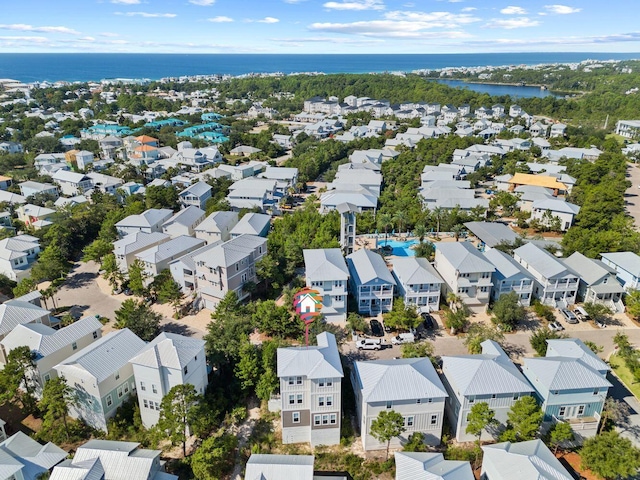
[420, 231]
[437, 212]
[384, 222]
[454, 301]
[400, 219]
[457, 230]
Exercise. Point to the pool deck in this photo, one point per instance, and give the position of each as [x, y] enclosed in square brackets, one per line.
[369, 241]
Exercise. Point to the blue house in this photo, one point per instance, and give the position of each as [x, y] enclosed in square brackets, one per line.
[570, 384]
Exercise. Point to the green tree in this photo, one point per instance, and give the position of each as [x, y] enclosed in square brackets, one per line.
[417, 350]
[385, 221]
[248, 367]
[478, 333]
[18, 378]
[610, 456]
[57, 396]
[139, 318]
[276, 320]
[356, 322]
[97, 250]
[560, 433]
[177, 412]
[614, 411]
[597, 311]
[632, 300]
[508, 312]
[456, 320]
[268, 381]
[137, 278]
[401, 316]
[538, 340]
[480, 418]
[524, 419]
[112, 273]
[170, 292]
[387, 425]
[215, 458]
[24, 286]
[51, 264]
[415, 443]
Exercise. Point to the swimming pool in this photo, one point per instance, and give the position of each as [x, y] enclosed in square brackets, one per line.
[400, 248]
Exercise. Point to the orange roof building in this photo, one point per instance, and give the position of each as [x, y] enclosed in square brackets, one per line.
[545, 181]
[147, 140]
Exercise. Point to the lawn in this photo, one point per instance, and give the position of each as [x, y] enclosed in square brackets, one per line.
[624, 374]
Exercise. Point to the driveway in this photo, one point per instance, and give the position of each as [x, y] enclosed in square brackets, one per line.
[632, 195]
[631, 428]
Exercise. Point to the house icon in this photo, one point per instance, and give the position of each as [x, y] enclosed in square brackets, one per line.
[307, 303]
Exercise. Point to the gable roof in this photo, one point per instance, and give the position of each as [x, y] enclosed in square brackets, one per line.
[537, 180]
[169, 350]
[171, 250]
[627, 261]
[430, 466]
[556, 205]
[464, 257]
[575, 348]
[530, 460]
[398, 379]
[415, 270]
[279, 467]
[492, 233]
[325, 264]
[251, 223]
[148, 218]
[321, 361]
[134, 242]
[506, 266]
[590, 270]
[541, 261]
[107, 355]
[563, 373]
[22, 453]
[218, 221]
[366, 266]
[230, 252]
[16, 312]
[198, 189]
[186, 216]
[487, 373]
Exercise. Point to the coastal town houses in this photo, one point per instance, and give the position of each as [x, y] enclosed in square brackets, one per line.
[51, 346]
[184, 222]
[598, 282]
[30, 188]
[326, 272]
[466, 273]
[570, 384]
[547, 210]
[101, 376]
[19, 311]
[370, 282]
[23, 458]
[17, 255]
[216, 227]
[112, 460]
[165, 362]
[35, 216]
[430, 466]
[509, 276]
[147, 222]
[310, 392]
[465, 379]
[521, 460]
[158, 257]
[277, 467]
[196, 195]
[628, 128]
[126, 248]
[418, 282]
[72, 183]
[554, 282]
[257, 224]
[627, 267]
[409, 386]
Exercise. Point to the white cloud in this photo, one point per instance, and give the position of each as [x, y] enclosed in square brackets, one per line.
[269, 20]
[109, 34]
[127, 2]
[146, 14]
[561, 9]
[202, 3]
[357, 5]
[87, 39]
[338, 40]
[511, 10]
[22, 27]
[469, 9]
[220, 19]
[512, 23]
[13, 40]
[433, 19]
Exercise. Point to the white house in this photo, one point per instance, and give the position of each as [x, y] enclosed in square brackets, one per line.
[157, 258]
[310, 392]
[555, 207]
[101, 376]
[17, 254]
[257, 224]
[126, 248]
[72, 183]
[627, 267]
[418, 282]
[168, 360]
[509, 276]
[217, 227]
[326, 272]
[148, 221]
[430, 466]
[409, 386]
[20, 312]
[196, 195]
[370, 282]
[184, 222]
[521, 460]
[25, 459]
[598, 282]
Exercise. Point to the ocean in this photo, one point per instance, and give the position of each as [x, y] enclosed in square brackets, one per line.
[32, 67]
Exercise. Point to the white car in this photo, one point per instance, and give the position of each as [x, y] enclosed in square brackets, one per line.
[403, 338]
[369, 344]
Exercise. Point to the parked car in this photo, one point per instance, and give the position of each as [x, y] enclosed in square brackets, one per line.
[403, 338]
[128, 292]
[581, 313]
[428, 321]
[599, 323]
[569, 316]
[555, 326]
[369, 344]
[376, 328]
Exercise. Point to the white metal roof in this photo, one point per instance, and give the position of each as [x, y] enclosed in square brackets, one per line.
[16, 312]
[218, 222]
[251, 223]
[575, 348]
[563, 373]
[321, 361]
[506, 266]
[430, 466]
[169, 350]
[186, 216]
[325, 264]
[148, 218]
[34, 457]
[279, 467]
[530, 460]
[366, 266]
[415, 271]
[541, 261]
[171, 250]
[464, 257]
[134, 242]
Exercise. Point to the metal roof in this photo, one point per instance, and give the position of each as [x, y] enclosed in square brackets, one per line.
[506, 266]
[279, 467]
[251, 223]
[555, 205]
[107, 355]
[187, 216]
[32, 457]
[575, 348]
[415, 271]
[430, 466]
[149, 218]
[464, 257]
[627, 261]
[325, 264]
[492, 233]
[488, 373]
[360, 197]
[321, 361]
[591, 271]
[563, 373]
[169, 350]
[230, 252]
[398, 379]
[198, 189]
[16, 312]
[530, 460]
[171, 250]
[218, 222]
[85, 470]
[134, 242]
[367, 266]
[542, 261]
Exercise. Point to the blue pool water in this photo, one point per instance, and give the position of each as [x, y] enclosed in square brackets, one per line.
[400, 248]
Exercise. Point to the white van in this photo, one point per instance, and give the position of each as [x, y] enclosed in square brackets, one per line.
[581, 313]
[403, 338]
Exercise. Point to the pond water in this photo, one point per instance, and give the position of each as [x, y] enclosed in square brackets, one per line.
[497, 90]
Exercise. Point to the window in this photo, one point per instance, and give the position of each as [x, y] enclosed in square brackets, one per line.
[143, 387]
[154, 389]
[419, 401]
[298, 380]
[186, 370]
[493, 396]
[430, 400]
[291, 380]
[321, 382]
[325, 419]
[329, 401]
[117, 375]
[299, 398]
[555, 392]
[434, 420]
[295, 417]
[95, 335]
[46, 377]
[516, 396]
[333, 419]
[388, 404]
[120, 393]
[562, 411]
[157, 405]
[316, 420]
[145, 403]
[596, 391]
[321, 401]
[472, 399]
[126, 388]
[408, 421]
[109, 401]
[329, 382]
[580, 410]
[292, 399]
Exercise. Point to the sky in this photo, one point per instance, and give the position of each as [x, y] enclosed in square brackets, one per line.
[319, 26]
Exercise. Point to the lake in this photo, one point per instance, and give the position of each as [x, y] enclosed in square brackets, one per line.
[497, 90]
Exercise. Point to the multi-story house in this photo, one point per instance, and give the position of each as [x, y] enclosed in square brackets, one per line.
[196, 195]
[217, 227]
[168, 360]
[554, 282]
[571, 385]
[310, 392]
[17, 254]
[35, 216]
[598, 282]
[20, 312]
[489, 377]
[101, 376]
[327, 273]
[628, 128]
[148, 221]
[509, 276]
[30, 188]
[184, 222]
[252, 224]
[409, 386]
[418, 282]
[465, 272]
[72, 183]
[627, 266]
[227, 267]
[370, 282]
[430, 465]
[25, 459]
[275, 467]
[125, 249]
[52, 346]
[158, 257]
[523, 460]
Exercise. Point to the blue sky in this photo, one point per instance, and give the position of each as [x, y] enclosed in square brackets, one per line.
[319, 26]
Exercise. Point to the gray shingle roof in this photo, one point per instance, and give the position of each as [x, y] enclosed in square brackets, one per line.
[321, 361]
[106, 355]
[530, 460]
[325, 264]
[464, 257]
[366, 266]
[430, 466]
[169, 350]
[414, 271]
[398, 379]
[485, 374]
[492, 233]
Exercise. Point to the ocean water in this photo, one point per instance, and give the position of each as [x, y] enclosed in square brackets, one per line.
[31, 67]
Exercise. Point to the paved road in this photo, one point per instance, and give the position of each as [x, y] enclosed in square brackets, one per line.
[632, 195]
